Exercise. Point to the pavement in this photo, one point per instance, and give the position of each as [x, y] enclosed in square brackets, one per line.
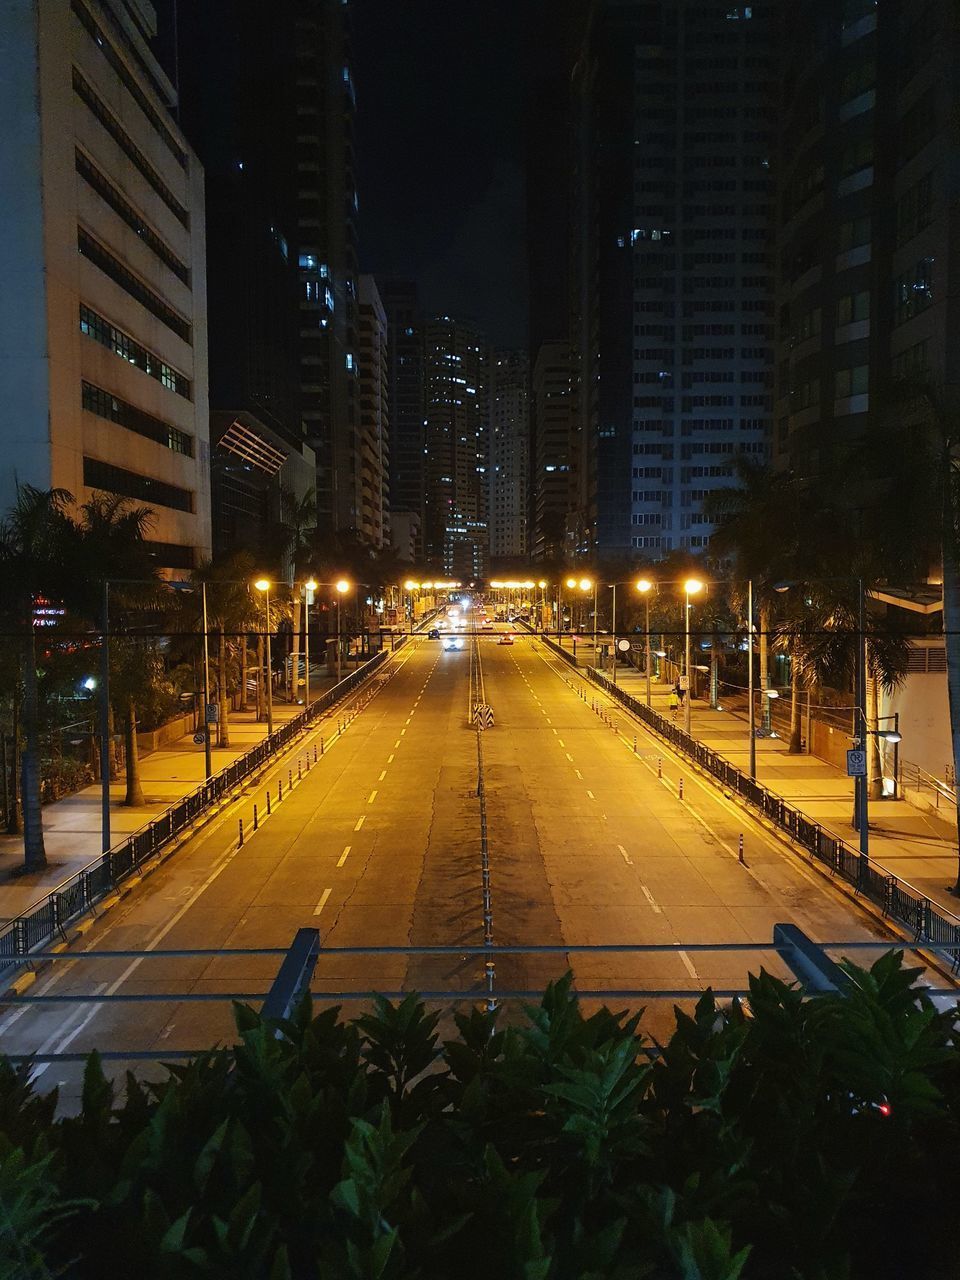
[379, 845]
[72, 825]
[918, 847]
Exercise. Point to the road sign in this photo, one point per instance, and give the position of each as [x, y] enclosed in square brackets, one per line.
[856, 763]
[483, 715]
[624, 645]
[684, 682]
[199, 738]
[213, 713]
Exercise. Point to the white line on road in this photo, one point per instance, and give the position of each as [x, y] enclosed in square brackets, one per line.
[402, 732]
[383, 774]
[651, 899]
[626, 857]
[390, 759]
[561, 741]
[360, 822]
[372, 796]
[688, 965]
[569, 757]
[397, 743]
[579, 774]
[322, 903]
[591, 795]
[343, 857]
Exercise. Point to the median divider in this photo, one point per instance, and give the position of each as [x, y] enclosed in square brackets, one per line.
[78, 895]
[897, 899]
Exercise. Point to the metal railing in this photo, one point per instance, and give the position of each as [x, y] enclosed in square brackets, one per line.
[917, 780]
[76, 896]
[898, 899]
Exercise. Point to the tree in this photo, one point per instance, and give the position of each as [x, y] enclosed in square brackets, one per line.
[231, 611]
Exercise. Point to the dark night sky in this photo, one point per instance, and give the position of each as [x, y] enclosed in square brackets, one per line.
[441, 91]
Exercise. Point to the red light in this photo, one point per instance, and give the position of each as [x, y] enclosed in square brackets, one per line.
[885, 1109]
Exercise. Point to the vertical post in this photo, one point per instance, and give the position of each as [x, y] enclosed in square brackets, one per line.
[686, 664]
[339, 640]
[269, 671]
[306, 646]
[752, 716]
[207, 762]
[105, 722]
[646, 656]
[861, 787]
[613, 628]
[6, 780]
[595, 587]
[896, 756]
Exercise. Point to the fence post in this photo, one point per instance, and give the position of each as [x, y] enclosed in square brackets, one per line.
[255, 821]
[240, 842]
[268, 802]
[681, 788]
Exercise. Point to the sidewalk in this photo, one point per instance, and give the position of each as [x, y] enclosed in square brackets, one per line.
[918, 847]
[71, 826]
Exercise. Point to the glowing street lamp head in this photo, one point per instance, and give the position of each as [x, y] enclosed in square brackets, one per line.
[585, 584]
[343, 585]
[644, 585]
[410, 585]
[571, 583]
[692, 586]
[262, 584]
[541, 584]
[310, 584]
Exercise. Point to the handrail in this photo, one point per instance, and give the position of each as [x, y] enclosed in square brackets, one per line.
[79, 892]
[897, 898]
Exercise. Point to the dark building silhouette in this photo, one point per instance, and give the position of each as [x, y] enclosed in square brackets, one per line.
[406, 402]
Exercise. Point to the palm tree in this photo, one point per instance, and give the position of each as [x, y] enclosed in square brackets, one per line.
[298, 527]
[231, 611]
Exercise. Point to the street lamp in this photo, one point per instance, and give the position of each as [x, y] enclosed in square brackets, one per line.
[690, 588]
[342, 587]
[263, 586]
[309, 587]
[645, 586]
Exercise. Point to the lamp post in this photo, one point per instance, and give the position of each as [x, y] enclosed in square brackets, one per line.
[752, 715]
[342, 587]
[207, 761]
[645, 586]
[690, 588]
[309, 587]
[104, 723]
[585, 585]
[263, 585]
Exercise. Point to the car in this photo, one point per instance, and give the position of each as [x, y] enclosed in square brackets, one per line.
[506, 638]
[453, 642]
[433, 634]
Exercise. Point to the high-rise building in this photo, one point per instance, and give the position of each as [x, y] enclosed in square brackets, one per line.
[406, 409]
[103, 325]
[553, 470]
[508, 472]
[374, 420]
[327, 204]
[672, 279]
[867, 231]
[456, 443]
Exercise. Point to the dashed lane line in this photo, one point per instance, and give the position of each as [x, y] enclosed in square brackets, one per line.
[591, 795]
[372, 796]
[626, 857]
[343, 857]
[390, 758]
[383, 774]
[322, 903]
[360, 822]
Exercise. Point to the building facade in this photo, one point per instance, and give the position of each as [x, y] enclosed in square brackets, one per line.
[672, 282]
[103, 310]
[508, 503]
[374, 418]
[868, 186]
[405, 400]
[456, 435]
[553, 470]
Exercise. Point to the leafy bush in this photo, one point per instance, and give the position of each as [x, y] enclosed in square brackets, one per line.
[809, 1138]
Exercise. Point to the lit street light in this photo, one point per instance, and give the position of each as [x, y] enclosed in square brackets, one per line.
[263, 586]
[342, 588]
[309, 587]
[690, 588]
[645, 586]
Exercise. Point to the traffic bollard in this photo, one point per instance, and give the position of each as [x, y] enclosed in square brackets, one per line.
[321, 746]
[740, 847]
[681, 788]
[299, 771]
[240, 842]
[279, 790]
[268, 802]
[315, 753]
[255, 820]
[659, 767]
[289, 779]
[634, 744]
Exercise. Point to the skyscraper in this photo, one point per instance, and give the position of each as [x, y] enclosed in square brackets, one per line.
[672, 276]
[405, 398]
[103, 309]
[456, 443]
[374, 419]
[552, 475]
[509, 467]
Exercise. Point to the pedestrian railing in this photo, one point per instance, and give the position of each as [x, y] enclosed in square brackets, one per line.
[898, 899]
[917, 781]
[75, 896]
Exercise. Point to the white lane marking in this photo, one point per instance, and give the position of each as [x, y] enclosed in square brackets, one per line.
[402, 732]
[360, 822]
[397, 743]
[591, 795]
[383, 774]
[569, 757]
[579, 774]
[372, 796]
[626, 857]
[554, 731]
[390, 759]
[322, 903]
[650, 898]
[65, 1041]
[561, 741]
[688, 965]
[343, 857]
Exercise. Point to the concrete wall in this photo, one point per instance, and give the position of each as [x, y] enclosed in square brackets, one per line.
[924, 721]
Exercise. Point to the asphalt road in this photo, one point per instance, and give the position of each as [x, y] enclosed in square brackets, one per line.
[379, 845]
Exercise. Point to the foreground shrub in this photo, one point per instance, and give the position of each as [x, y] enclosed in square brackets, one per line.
[811, 1138]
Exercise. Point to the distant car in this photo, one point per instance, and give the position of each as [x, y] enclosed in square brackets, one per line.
[453, 642]
[433, 634]
[506, 638]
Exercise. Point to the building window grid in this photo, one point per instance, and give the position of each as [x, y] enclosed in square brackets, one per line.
[122, 207]
[101, 257]
[106, 405]
[131, 484]
[121, 344]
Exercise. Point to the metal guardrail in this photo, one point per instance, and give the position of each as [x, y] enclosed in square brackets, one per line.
[898, 899]
[75, 896]
[914, 779]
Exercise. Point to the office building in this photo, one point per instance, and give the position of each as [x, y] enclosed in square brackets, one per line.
[103, 326]
[867, 169]
[373, 418]
[406, 408]
[553, 470]
[456, 444]
[508, 473]
[327, 204]
[672, 279]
